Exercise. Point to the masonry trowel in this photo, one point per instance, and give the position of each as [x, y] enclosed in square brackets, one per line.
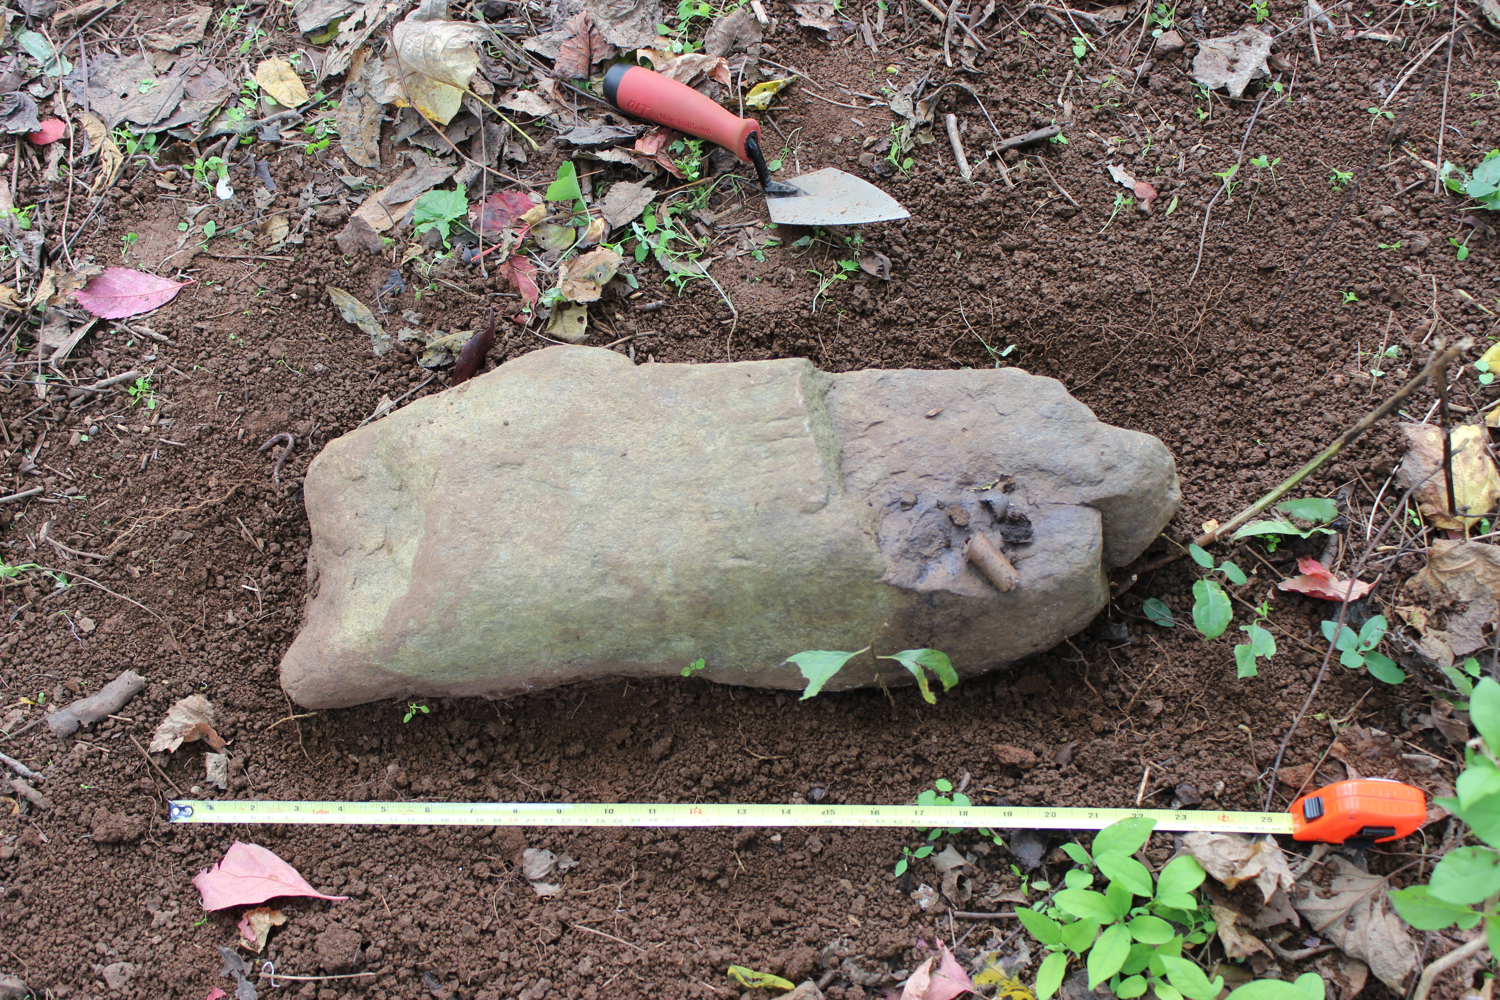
[825, 197]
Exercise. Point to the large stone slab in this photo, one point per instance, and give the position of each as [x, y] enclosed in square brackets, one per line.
[571, 515]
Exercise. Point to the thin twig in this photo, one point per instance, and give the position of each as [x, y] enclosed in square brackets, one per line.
[962, 158]
[1446, 427]
[1437, 181]
[1225, 186]
[21, 769]
[1448, 961]
[154, 766]
[611, 937]
[1055, 184]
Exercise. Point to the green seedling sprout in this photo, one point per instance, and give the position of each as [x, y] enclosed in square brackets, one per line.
[1211, 610]
[413, 708]
[440, 209]
[1461, 250]
[1262, 163]
[1357, 649]
[1121, 200]
[693, 668]
[1340, 178]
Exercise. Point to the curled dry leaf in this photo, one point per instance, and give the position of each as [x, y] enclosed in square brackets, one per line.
[277, 78]
[653, 146]
[1476, 483]
[436, 60]
[692, 70]
[583, 47]
[188, 721]
[569, 324]
[761, 94]
[1239, 944]
[877, 264]
[255, 926]
[249, 875]
[1316, 581]
[1356, 917]
[120, 292]
[823, 17]
[1232, 61]
[216, 769]
[625, 201]
[111, 160]
[1233, 858]
[630, 24]
[356, 312]
[583, 278]
[733, 32]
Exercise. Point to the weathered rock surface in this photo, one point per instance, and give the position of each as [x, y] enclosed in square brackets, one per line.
[571, 515]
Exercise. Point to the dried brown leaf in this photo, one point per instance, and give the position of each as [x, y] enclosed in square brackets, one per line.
[1239, 944]
[1233, 60]
[436, 61]
[189, 720]
[1233, 858]
[583, 47]
[1357, 918]
[1476, 483]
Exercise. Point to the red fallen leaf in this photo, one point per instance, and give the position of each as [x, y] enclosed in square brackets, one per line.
[653, 145]
[121, 292]
[521, 273]
[250, 875]
[1316, 581]
[584, 48]
[949, 980]
[1145, 192]
[215, 994]
[52, 130]
[500, 211]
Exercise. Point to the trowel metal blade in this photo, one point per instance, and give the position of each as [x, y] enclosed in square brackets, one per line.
[831, 197]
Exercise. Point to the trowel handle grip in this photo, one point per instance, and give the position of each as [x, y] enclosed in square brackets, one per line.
[646, 94]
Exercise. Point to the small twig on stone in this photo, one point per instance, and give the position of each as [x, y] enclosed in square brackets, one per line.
[290, 443]
[990, 561]
[1448, 961]
[951, 121]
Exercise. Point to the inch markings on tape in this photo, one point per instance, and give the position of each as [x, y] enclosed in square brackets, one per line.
[640, 814]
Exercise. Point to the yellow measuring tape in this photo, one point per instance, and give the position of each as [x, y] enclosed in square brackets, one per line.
[640, 814]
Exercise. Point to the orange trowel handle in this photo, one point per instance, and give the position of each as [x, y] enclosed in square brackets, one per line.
[643, 93]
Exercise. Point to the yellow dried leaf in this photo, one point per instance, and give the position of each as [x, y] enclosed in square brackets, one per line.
[436, 61]
[10, 300]
[277, 78]
[255, 926]
[1476, 483]
[760, 95]
[111, 160]
[583, 279]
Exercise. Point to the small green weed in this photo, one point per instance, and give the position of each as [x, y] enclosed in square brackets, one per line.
[1483, 185]
[1390, 246]
[1227, 176]
[845, 268]
[1080, 47]
[1211, 611]
[1163, 17]
[213, 167]
[1121, 200]
[1261, 643]
[1318, 511]
[694, 667]
[1340, 178]
[1358, 649]
[1261, 9]
[140, 391]
[1486, 376]
[1348, 297]
[687, 154]
[819, 665]
[908, 856]
[439, 210]
[1390, 353]
[1261, 162]
[1463, 677]
[1461, 250]
[127, 241]
[1376, 114]
[749, 978]
[412, 710]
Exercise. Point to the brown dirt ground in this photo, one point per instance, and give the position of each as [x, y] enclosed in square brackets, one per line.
[1126, 710]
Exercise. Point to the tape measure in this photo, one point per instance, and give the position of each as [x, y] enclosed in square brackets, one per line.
[1367, 809]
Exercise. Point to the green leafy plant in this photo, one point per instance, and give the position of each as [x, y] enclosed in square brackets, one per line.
[440, 209]
[1317, 511]
[1261, 162]
[1131, 936]
[1376, 114]
[1465, 885]
[1483, 185]
[1390, 353]
[687, 154]
[1260, 643]
[1121, 200]
[1461, 250]
[1340, 178]
[140, 391]
[126, 242]
[1357, 649]
[908, 856]
[413, 708]
[1211, 611]
[1156, 609]
[694, 667]
[845, 268]
[1227, 176]
[1486, 375]
[1463, 678]
[819, 665]
[9, 572]
[1080, 47]
[1260, 8]
[1163, 17]
[1348, 297]
[1390, 246]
